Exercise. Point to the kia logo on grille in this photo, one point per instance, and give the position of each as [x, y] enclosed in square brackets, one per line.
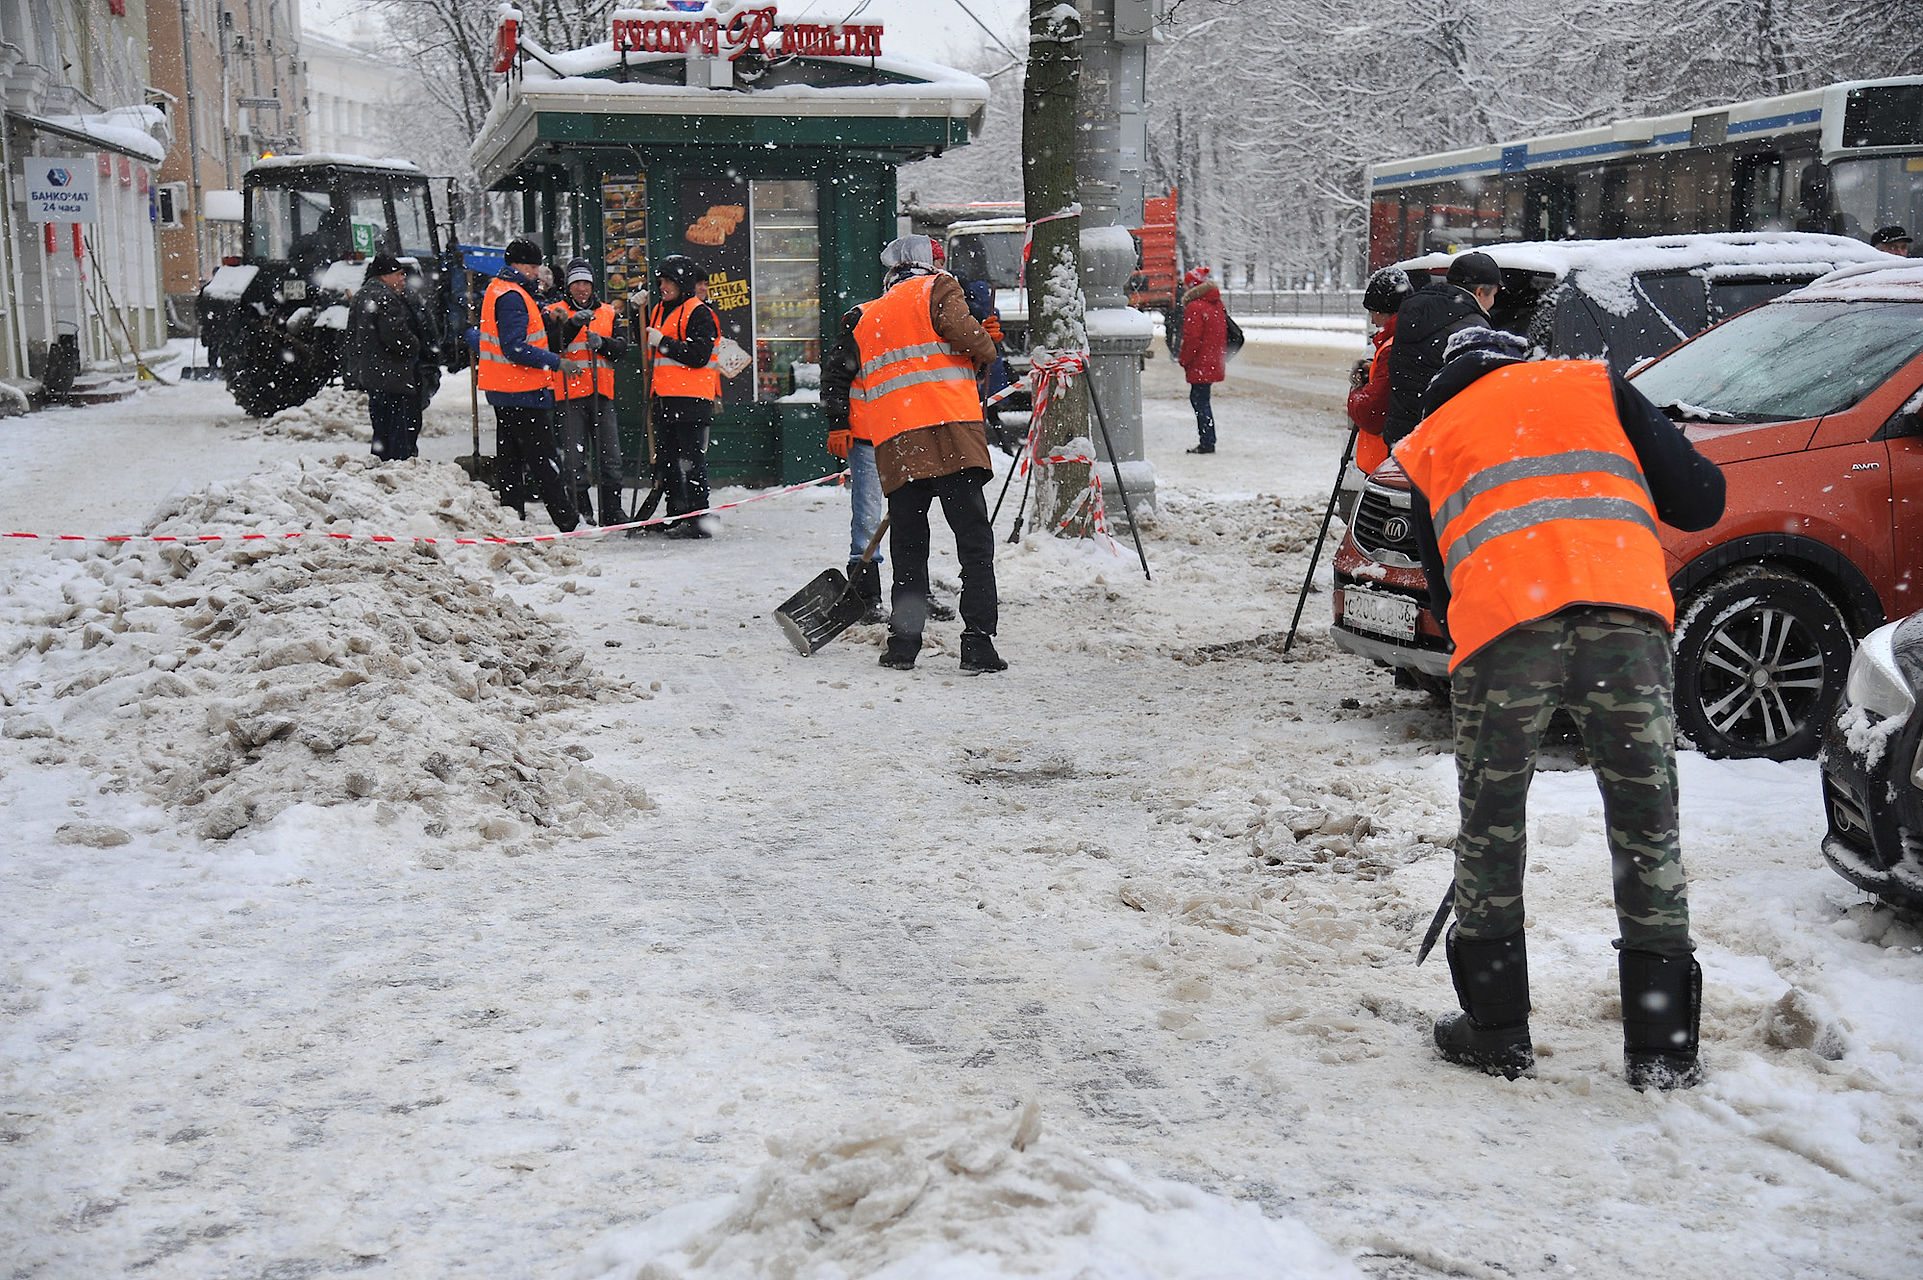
[1395, 528]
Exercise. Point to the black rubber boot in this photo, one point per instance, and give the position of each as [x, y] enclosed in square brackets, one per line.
[865, 577]
[901, 652]
[1662, 1011]
[978, 654]
[1492, 984]
[609, 508]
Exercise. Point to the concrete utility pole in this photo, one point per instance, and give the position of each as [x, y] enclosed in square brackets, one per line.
[1111, 131]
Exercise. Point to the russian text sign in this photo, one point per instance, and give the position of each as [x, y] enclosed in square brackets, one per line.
[59, 189]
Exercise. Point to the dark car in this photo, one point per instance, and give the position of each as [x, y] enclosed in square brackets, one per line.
[1872, 770]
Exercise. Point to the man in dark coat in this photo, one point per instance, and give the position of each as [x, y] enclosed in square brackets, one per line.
[385, 342]
[1423, 325]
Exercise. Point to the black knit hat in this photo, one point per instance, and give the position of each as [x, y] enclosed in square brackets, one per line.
[384, 264]
[1475, 271]
[1386, 290]
[522, 251]
[1891, 234]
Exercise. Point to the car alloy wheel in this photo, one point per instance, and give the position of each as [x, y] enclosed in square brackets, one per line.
[1761, 657]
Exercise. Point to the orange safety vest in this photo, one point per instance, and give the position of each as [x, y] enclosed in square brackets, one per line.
[496, 371]
[600, 380]
[1539, 501]
[910, 377]
[672, 379]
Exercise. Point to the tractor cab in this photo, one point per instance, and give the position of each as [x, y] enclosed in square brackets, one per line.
[276, 317]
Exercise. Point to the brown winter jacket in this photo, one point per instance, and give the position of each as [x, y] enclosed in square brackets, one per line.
[926, 452]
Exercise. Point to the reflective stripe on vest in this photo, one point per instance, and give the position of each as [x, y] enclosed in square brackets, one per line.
[910, 377]
[672, 379]
[495, 371]
[1539, 501]
[600, 381]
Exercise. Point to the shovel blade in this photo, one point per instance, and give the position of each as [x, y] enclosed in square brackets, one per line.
[819, 612]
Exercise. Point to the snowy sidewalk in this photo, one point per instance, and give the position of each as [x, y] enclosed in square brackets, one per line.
[1158, 878]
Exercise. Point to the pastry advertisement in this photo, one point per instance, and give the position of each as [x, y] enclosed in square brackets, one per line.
[713, 230]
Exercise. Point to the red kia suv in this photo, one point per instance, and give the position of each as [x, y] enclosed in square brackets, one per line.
[1813, 406]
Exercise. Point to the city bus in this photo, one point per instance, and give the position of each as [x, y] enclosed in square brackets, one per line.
[1844, 159]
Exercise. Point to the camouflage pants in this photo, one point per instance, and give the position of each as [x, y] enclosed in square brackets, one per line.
[1611, 669]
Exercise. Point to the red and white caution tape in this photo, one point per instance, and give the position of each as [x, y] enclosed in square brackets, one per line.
[586, 531]
[1048, 377]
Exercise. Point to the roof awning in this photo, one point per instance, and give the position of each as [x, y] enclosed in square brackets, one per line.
[97, 134]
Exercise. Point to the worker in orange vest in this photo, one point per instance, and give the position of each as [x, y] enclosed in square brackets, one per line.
[683, 329]
[584, 329]
[1539, 486]
[519, 373]
[903, 378]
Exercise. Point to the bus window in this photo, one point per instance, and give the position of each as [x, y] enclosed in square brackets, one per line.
[1698, 191]
[1759, 193]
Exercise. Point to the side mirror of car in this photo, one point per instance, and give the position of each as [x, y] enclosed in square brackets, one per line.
[1905, 422]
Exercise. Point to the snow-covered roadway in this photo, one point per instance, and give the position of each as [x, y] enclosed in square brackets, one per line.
[1159, 878]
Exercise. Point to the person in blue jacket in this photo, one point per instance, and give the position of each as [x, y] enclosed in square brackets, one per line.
[511, 349]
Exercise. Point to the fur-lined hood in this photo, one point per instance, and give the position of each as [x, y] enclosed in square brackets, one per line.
[1200, 290]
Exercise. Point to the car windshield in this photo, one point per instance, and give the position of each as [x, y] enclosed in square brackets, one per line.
[992, 256]
[1786, 360]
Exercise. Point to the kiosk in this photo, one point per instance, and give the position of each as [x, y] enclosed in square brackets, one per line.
[762, 147]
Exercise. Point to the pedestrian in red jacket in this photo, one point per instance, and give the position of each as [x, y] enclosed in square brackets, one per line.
[1205, 342]
[1369, 401]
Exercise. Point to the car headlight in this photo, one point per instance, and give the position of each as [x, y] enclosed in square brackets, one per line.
[1875, 683]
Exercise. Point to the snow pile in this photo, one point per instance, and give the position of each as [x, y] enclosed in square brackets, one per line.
[334, 413]
[232, 681]
[961, 1195]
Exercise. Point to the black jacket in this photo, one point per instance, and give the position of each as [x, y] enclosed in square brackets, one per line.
[1423, 325]
[385, 345]
[1687, 488]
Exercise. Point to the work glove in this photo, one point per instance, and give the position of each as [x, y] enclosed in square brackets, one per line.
[1359, 375]
[654, 338]
[583, 317]
[595, 341]
[574, 368]
[993, 327]
[839, 441]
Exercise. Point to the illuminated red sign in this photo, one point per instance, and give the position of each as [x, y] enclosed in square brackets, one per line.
[748, 31]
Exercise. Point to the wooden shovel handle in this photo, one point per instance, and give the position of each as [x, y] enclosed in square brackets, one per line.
[875, 541]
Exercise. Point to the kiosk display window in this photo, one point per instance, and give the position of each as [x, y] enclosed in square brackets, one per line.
[787, 283]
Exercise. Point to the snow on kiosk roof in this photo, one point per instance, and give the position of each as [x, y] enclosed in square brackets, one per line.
[762, 144]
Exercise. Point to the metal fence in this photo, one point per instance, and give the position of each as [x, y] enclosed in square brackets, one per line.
[1293, 302]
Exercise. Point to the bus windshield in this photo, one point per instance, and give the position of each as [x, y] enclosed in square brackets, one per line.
[1786, 361]
[1878, 192]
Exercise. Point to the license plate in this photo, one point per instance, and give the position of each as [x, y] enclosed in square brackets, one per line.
[1378, 614]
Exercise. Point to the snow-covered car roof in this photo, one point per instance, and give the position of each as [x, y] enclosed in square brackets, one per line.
[1892, 280]
[1754, 252]
[1606, 269]
[393, 163]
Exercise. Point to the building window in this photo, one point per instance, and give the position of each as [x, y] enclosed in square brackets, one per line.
[171, 204]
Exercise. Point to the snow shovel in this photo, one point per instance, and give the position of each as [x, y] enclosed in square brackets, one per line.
[826, 607]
